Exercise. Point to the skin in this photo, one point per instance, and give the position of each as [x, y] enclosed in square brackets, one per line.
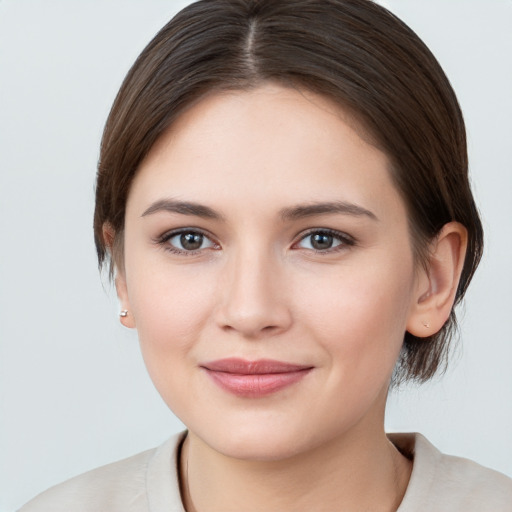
[256, 288]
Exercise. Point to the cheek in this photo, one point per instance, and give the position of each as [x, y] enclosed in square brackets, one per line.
[171, 306]
[360, 317]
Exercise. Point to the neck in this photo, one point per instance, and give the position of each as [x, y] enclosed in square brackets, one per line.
[355, 472]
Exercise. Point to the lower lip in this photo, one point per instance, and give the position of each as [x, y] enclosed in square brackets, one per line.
[256, 385]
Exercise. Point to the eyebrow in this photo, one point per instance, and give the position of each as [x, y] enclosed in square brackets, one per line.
[333, 207]
[183, 208]
[287, 214]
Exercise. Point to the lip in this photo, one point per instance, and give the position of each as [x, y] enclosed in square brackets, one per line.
[254, 379]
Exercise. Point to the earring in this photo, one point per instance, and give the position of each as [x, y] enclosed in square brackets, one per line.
[426, 324]
[124, 313]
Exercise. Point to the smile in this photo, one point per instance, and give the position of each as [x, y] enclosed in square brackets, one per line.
[253, 379]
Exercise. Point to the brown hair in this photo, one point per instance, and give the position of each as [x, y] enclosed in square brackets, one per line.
[353, 51]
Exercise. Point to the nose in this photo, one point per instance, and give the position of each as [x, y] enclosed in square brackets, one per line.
[253, 295]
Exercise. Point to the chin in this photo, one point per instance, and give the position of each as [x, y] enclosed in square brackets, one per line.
[258, 448]
[263, 441]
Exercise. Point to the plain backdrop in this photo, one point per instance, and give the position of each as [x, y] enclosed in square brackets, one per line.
[73, 390]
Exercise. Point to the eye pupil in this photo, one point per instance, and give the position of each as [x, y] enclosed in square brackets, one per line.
[321, 241]
[191, 241]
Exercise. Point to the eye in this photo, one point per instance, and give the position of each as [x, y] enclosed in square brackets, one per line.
[186, 241]
[325, 240]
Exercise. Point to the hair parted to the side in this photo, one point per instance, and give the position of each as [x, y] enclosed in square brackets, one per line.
[354, 52]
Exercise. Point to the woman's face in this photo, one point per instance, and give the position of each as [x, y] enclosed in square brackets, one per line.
[269, 273]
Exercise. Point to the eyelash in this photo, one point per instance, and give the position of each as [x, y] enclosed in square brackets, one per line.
[164, 239]
[344, 239]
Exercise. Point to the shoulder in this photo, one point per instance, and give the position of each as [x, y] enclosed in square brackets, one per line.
[129, 485]
[115, 485]
[448, 483]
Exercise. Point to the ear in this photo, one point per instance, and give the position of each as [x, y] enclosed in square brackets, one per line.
[128, 320]
[436, 285]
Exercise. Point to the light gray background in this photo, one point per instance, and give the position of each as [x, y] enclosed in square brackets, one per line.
[74, 393]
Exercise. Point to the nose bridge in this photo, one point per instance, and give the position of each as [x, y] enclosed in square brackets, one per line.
[253, 294]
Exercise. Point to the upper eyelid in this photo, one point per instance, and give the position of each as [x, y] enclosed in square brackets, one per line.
[299, 237]
[163, 241]
[334, 232]
[173, 232]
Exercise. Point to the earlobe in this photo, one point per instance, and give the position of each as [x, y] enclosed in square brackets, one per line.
[437, 284]
[125, 315]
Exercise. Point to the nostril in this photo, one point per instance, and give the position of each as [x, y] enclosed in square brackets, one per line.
[252, 328]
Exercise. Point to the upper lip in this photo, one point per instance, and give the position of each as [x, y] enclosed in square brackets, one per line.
[259, 367]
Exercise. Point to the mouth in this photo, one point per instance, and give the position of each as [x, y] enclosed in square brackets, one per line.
[253, 379]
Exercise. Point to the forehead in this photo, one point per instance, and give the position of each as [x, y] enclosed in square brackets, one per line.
[299, 105]
[270, 142]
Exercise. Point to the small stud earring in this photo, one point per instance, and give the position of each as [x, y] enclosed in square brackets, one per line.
[124, 313]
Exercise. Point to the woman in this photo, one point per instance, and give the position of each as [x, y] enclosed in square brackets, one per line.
[283, 196]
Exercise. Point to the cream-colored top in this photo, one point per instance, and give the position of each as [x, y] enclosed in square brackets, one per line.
[148, 482]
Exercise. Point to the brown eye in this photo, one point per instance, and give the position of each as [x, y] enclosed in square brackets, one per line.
[325, 241]
[191, 241]
[187, 241]
[321, 241]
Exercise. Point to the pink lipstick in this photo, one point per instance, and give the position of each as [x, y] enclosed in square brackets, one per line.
[254, 378]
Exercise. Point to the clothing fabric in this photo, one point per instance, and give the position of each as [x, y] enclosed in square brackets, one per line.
[148, 482]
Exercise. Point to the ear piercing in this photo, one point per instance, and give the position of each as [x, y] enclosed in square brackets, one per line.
[124, 313]
[426, 324]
